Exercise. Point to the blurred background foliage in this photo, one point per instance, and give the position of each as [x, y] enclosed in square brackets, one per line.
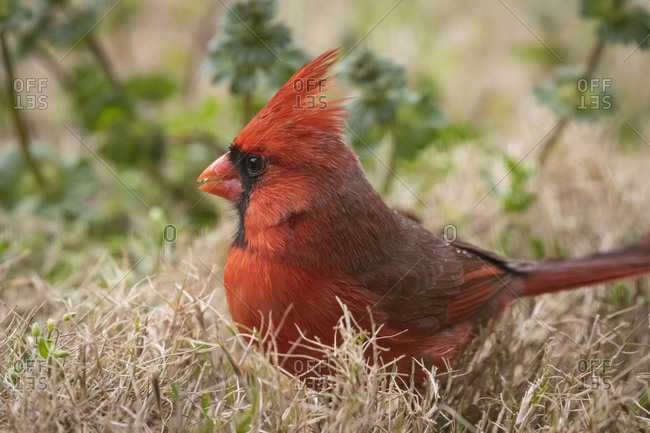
[116, 150]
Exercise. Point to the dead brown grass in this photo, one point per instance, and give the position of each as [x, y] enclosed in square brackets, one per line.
[159, 354]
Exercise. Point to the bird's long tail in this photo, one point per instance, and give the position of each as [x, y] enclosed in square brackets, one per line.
[554, 275]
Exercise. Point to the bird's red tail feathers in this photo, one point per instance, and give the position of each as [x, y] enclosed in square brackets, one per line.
[554, 275]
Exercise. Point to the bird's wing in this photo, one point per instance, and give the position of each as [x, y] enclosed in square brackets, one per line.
[427, 284]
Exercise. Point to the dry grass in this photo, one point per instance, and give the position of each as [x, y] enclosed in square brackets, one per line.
[158, 354]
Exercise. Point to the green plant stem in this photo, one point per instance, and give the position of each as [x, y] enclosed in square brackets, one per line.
[102, 58]
[552, 140]
[19, 122]
[594, 59]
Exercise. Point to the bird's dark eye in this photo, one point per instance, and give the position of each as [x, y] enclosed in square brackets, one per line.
[255, 165]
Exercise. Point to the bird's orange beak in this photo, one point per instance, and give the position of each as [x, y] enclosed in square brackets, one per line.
[221, 179]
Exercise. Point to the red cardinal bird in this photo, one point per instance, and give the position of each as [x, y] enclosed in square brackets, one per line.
[312, 229]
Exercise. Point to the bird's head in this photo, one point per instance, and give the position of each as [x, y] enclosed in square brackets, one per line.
[290, 155]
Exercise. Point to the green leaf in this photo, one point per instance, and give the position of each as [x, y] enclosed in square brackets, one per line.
[383, 91]
[67, 29]
[597, 8]
[193, 119]
[97, 102]
[74, 184]
[175, 393]
[385, 105]
[537, 246]
[11, 171]
[12, 12]
[642, 403]
[534, 52]
[205, 402]
[58, 353]
[418, 121]
[152, 87]
[619, 22]
[569, 95]
[252, 52]
[516, 198]
[134, 142]
[44, 346]
[517, 201]
[245, 420]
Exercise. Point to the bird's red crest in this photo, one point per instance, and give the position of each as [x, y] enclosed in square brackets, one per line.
[298, 109]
